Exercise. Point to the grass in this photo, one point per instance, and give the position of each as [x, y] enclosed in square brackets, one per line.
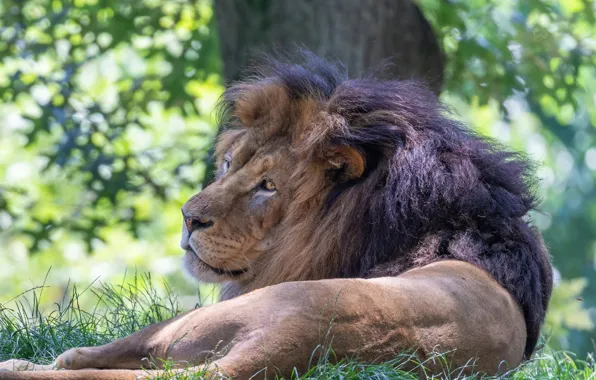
[28, 333]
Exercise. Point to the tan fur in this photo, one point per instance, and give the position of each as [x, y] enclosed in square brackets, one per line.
[279, 263]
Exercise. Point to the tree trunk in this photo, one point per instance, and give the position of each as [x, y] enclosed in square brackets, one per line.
[360, 33]
[366, 35]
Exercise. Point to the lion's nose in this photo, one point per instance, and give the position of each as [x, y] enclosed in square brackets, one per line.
[194, 223]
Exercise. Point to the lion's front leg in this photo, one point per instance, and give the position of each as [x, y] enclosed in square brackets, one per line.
[191, 339]
[138, 350]
[112, 355]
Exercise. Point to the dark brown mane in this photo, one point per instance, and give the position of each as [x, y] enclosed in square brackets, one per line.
[432, 189]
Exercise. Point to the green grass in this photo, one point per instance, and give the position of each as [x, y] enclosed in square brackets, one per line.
[117, 311]
[28, 333]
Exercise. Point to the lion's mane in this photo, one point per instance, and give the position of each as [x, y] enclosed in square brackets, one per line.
[432, 189]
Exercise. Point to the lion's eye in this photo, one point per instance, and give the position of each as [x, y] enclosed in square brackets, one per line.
[225, 166]
[267, 185]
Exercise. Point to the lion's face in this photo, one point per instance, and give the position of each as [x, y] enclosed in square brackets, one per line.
[226, 225]
[263, 175]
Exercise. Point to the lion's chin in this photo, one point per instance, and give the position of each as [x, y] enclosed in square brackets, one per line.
[201, 271]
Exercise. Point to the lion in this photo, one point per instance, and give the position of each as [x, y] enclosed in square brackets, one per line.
[354, 214]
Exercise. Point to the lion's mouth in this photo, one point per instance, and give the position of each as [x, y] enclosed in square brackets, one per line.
[220, 271]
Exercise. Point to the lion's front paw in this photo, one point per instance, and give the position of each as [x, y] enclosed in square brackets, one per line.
[77, 358]
[23, 365]
[67, 358]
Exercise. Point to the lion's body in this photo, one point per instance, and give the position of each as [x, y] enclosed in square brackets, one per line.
[351, 212]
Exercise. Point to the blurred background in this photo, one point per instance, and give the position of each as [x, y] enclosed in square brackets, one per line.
[106, 120]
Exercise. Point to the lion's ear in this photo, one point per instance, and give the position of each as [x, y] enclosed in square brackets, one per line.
[348, 159]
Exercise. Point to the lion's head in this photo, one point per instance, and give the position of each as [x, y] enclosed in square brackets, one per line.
[321, 176]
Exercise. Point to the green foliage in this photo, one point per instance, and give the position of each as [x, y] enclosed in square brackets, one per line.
[535, 47]
[105, 121]
[567, 311]
[112, 99]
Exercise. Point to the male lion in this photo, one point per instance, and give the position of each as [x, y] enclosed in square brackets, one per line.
[351, 213]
